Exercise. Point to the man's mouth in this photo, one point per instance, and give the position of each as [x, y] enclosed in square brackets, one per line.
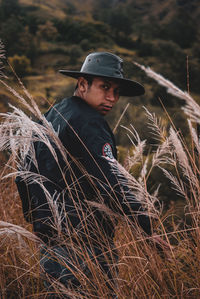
[106, 107]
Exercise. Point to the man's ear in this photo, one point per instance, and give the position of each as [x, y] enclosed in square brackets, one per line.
[82, 84]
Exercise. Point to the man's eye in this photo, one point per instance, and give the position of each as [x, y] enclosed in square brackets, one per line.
[106, 87]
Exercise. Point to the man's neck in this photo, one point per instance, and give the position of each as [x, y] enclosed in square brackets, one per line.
[77, 93]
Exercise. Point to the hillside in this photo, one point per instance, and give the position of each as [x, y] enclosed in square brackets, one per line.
[49, 35]
[161, 10]
[55, 8]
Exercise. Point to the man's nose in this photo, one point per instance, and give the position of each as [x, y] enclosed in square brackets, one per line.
[111, 96]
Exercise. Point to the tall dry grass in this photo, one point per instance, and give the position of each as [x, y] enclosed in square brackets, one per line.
[147, 267]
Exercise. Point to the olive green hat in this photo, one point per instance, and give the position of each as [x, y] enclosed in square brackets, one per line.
[107, 65]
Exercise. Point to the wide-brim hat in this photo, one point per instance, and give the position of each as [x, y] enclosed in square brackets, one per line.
[107, 65]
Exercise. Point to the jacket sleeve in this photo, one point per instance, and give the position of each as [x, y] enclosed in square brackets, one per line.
[97, 151]
[41, 179]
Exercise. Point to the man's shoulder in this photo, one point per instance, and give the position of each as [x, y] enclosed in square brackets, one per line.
[75, 107]
[85, 119]
[81, 112]
[66, 109]
[75, 112]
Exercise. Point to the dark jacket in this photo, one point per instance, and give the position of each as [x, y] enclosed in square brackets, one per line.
[88, 172]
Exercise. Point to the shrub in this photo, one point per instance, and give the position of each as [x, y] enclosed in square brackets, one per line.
[21, 65]
[47, 31]
[75, 53]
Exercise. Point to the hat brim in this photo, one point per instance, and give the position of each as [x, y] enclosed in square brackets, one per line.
[128, 88]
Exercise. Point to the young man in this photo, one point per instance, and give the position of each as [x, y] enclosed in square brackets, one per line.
[89, 191]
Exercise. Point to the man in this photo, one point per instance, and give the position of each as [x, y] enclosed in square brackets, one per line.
[84, 184]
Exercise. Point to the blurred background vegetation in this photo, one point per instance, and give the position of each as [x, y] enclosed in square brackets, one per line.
[43, 36]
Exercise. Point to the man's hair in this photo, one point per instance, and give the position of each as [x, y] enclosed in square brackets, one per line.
[89, 80]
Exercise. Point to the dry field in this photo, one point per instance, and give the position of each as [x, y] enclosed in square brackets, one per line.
[148, 267]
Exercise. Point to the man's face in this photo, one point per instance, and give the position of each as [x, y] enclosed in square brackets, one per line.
[102, 95]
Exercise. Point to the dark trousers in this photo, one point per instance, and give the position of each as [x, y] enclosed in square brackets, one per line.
[62, 264]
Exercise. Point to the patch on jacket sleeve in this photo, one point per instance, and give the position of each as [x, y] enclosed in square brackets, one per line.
[107, 151]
